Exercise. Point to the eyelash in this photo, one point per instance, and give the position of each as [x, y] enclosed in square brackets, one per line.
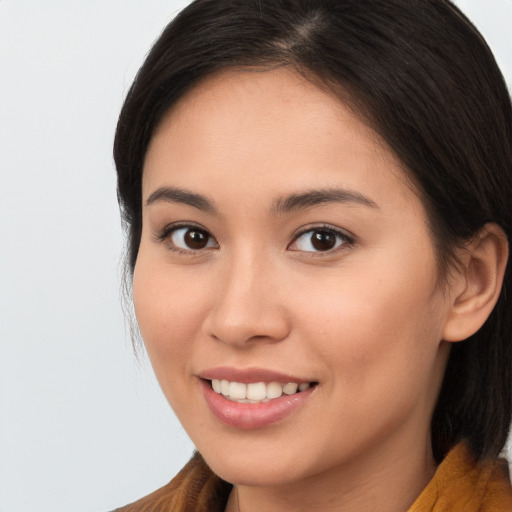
[166, 234]
[345, 240]
[342, 239]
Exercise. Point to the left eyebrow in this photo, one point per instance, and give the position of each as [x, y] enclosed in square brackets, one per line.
[182, 196]
[312, 198]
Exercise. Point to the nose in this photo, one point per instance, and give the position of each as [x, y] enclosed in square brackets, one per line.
[246, 305]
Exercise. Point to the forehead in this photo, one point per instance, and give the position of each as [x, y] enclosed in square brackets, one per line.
[239, 98]
[272, 127]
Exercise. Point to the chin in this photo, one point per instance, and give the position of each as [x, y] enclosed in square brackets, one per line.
[240, 470]
[262, 461]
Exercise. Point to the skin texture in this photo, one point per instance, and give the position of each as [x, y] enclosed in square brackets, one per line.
[364, 320]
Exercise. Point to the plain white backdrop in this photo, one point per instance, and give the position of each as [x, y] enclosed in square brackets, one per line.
[83, 426]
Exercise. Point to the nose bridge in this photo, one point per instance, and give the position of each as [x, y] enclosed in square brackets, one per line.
[245, 267]
[246, 303]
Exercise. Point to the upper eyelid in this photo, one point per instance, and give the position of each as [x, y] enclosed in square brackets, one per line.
[326, 227]
[174, 226]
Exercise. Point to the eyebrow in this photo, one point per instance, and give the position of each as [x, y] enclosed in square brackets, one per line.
[291, 203]
[179, 195]
[312, 198]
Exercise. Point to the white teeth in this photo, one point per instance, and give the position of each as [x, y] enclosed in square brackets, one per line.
[289, 389]
[216, 385]
[274, 390]
[224, 387]
[237, 390]
[256, 392]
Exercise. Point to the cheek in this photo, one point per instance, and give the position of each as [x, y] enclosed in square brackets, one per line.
[168, 307]
[383, 365]
[379, 328]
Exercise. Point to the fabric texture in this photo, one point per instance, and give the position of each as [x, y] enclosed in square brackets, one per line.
[194, 489]
[459, 485]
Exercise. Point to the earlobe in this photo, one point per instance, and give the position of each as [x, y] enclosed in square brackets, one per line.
[477, 285]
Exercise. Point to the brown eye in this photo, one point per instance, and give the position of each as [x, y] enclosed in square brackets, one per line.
[323, 240]
[319, 240]
[196, 239]
[192, 239]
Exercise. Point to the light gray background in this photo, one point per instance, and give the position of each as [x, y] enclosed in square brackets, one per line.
[83, 426]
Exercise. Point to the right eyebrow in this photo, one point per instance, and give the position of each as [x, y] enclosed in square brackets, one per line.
[312, 198]
[179, 195]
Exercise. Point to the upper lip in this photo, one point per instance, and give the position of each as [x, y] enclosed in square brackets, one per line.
[248, 375]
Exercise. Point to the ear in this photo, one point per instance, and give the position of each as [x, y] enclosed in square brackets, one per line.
[476, 285]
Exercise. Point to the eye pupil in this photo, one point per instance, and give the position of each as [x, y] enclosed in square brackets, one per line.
[323, 240]
[196, 239]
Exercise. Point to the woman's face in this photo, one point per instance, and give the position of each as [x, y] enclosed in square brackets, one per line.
[283, 246]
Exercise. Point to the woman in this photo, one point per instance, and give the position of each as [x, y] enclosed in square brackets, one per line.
[317, 196]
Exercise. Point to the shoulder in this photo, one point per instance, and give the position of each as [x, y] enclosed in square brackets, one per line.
[497, 494]
[462, 484]
[194, 489]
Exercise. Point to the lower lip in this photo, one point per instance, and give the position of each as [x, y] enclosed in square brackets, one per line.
[252, 416]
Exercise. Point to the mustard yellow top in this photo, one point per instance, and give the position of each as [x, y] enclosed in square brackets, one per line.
[459, 485]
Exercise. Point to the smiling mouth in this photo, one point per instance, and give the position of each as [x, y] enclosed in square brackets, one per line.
[257, 392]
